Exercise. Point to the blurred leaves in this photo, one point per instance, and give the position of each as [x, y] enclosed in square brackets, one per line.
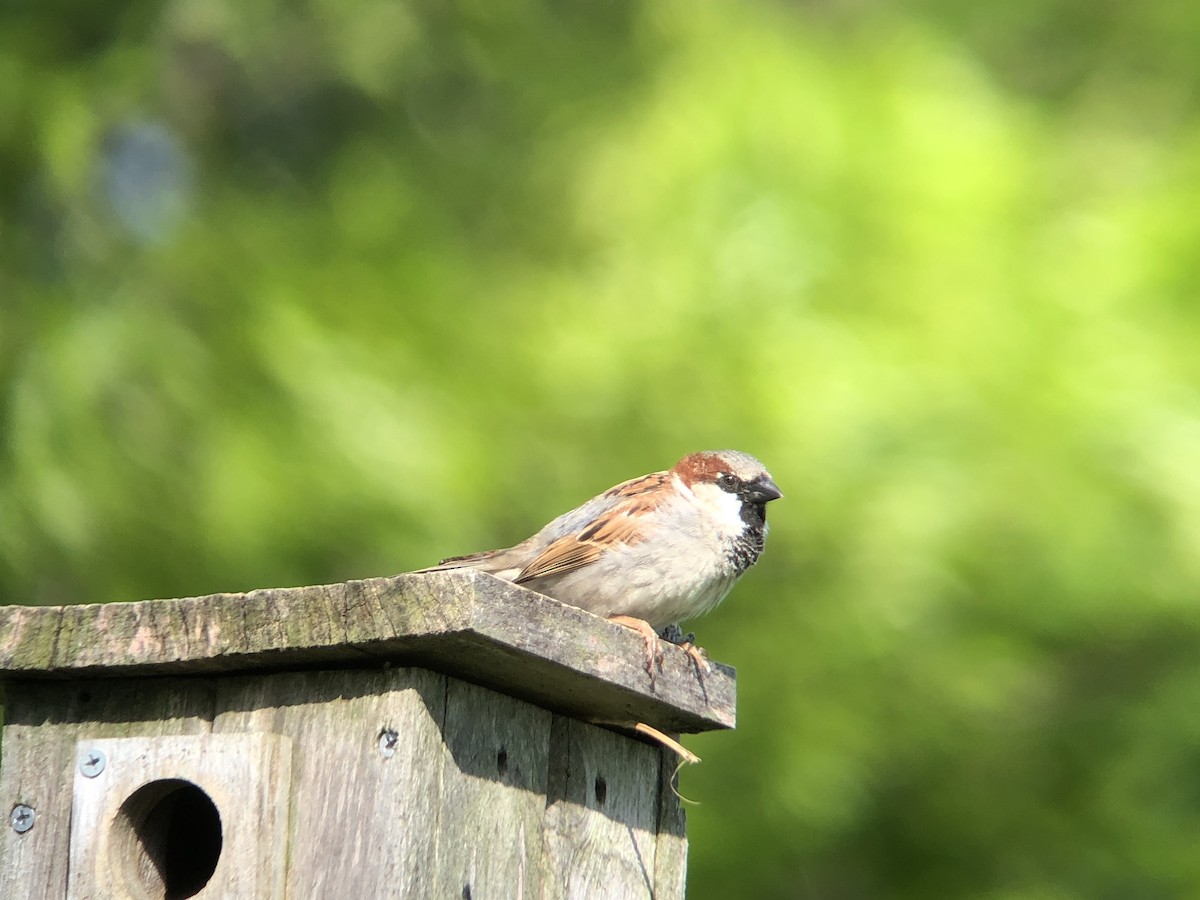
[405, 280]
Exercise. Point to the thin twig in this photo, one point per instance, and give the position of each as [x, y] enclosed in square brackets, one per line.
[686, 756]
[667, 741]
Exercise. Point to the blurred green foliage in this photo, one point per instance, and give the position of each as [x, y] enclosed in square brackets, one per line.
[310, 291]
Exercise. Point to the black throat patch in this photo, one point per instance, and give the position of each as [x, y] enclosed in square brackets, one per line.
[748, 545]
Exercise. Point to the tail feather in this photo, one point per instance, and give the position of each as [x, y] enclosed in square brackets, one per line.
[490, 561]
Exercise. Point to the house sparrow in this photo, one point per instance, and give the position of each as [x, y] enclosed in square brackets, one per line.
[652, 551]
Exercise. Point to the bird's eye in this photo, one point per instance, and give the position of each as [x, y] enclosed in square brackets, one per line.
[726, 480]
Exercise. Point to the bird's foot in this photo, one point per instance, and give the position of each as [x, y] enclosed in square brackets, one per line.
[654, 655]
[686, 643]
[676, 635]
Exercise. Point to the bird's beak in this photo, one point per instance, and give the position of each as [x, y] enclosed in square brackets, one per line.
[764, 490]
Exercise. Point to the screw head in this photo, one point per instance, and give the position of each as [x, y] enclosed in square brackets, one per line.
[22, 818]
[387, 742]
[92, 763]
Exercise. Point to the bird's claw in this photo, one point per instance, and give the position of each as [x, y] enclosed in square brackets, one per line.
[697, 656]
[686, 643]
[654, 654]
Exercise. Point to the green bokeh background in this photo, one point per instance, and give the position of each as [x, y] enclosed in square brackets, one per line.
[304, 292]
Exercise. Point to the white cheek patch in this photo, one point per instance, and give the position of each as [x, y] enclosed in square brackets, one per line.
[724, 508]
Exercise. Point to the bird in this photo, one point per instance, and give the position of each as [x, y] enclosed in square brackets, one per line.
[650, 552]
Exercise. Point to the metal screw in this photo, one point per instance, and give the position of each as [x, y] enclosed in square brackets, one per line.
[387, 742]
[22, 818]
[92, 764]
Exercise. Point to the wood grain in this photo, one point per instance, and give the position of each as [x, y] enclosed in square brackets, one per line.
[671, 847]
[494, 779]
[601, 815]
[463, 623]
[363, 824]
[42, 723]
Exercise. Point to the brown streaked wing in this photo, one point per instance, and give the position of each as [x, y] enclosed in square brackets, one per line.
[573, 551]
[639, 485]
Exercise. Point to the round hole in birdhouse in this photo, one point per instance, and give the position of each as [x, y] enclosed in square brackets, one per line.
[167, 839]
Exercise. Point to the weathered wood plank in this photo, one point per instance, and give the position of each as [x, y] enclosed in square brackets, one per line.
[261, 629]
[493, 796]
[601, 815]
[463, 623]
[671, 848]
[127, 841]
[364, 824]
[43, 720]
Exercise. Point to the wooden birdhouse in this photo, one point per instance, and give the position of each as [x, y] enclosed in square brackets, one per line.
[444, 735]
